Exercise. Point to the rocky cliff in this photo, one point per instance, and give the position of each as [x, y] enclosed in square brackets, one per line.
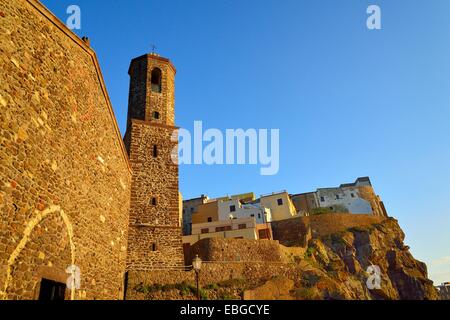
[345, 265]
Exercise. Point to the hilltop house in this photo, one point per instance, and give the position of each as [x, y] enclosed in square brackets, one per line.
[358, 198]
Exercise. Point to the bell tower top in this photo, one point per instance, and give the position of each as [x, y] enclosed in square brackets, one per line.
[152, 90]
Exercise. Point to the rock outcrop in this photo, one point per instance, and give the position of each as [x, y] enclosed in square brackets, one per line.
[346, 265]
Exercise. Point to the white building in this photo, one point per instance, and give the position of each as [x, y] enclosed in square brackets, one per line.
[346, 198]
[237, 209]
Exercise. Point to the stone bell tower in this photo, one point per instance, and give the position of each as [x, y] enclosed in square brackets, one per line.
[155, 238]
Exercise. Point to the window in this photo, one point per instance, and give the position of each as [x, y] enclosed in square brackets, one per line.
[264, 234]
[252, 215]
[337, 197]
[192, 210]
[322, 199]
[233, 208]
[156, 80]
[155, 151]
[209, 219]
[156, 115]
[259, 215]
[206, 230]
[242, 226]
[153, 201]
[154, 246]
[280, 202]
[222, 229]
[353, 195]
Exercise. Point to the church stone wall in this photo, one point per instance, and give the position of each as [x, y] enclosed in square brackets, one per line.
[65, 177]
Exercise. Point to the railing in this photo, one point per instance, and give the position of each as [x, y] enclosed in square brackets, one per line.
[164, 268]
[190, 267]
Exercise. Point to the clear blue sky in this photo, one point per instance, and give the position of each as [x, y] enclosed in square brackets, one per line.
[348, 101]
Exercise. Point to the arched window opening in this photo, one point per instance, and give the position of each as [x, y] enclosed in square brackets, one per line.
[156, 80]
[153, 202]
[155, 151]
[156, 115]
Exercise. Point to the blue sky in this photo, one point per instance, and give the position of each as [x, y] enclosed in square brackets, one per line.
[348, 101]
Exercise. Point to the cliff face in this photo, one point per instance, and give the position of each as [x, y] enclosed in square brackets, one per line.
[341, 266]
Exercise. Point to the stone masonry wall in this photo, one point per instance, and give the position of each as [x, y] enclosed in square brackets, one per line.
[163, 102]
[292, 232]
[65, 177]
[168, 251]
[297, 231]
[142, 101]
[153, 176]
[223, 259]
[215, 249]
[155, 237]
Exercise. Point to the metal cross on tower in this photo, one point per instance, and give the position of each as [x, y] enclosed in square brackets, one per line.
[153, 48]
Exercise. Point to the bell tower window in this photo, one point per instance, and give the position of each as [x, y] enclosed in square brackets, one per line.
[156, 80]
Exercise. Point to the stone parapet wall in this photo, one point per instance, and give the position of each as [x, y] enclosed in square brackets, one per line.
[298, 231]
[215, 249]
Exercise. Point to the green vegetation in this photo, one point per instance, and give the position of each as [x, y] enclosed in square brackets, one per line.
[319, 211]
[233, 283]
[310, 252]
[226, 296]
[339, 208]
[310, 279]
[336, 238]
[306, 294]
[227, 290]
[357, 229]
[335, 295]
[336, 209]
[184, 288]
[212, 286]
